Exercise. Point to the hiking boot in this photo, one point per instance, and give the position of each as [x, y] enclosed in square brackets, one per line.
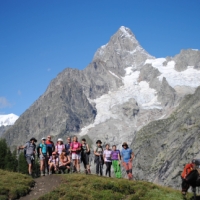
[50, 173]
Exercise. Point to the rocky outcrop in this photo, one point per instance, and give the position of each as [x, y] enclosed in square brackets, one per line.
[187, 58]
[59, 112]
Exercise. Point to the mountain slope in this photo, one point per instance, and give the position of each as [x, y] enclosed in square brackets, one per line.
[171, 143]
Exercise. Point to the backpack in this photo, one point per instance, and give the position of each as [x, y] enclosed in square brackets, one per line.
[88, 153]
[29, 143]
[38, 150]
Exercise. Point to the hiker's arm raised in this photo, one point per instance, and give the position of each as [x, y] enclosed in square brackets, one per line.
[21, 147]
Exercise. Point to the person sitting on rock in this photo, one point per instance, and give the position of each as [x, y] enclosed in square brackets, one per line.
[64, 162]
[127, 158]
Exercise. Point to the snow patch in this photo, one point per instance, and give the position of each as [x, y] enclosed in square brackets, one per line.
[9, 119]
[145, 96]
[190, 77]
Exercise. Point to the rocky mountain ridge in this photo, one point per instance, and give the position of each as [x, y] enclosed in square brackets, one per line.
[116, 98]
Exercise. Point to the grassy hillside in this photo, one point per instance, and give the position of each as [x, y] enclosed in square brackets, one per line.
[79, 186]
[14, 185]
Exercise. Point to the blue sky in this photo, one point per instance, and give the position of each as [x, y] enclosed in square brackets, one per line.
[38, 39]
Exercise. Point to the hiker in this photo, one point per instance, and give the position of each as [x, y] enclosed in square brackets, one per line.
[85, 152]
[50, 146]
[59, 146]
[127, 158]
[53, 163]
[64, 162]
[75, 148]
[107, 159]
[67, 145]
[43, 157]
[29, 148]
[189, 176]
[115, 157]
[99, 158]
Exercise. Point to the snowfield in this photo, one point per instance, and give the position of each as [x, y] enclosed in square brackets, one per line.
[145, 96]
[9, 119]
[190, 77]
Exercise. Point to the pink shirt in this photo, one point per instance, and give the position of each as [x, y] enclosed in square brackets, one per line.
[59, 148]
[74, 146]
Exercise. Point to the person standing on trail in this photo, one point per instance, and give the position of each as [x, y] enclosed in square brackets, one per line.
[75, 148]
[43, 157]
[127, 158]
[59, 146]
[67, 145]
[115, 157]
[85, 152]
[50, 146]
[29, 147]
[99, 158]
[107, 159]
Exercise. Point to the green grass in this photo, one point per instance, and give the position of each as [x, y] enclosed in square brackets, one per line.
[79, 186]
[14, 185]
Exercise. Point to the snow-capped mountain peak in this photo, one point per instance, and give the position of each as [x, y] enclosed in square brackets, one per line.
[9, 119]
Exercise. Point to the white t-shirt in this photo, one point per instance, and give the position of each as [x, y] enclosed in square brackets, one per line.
[107, 155]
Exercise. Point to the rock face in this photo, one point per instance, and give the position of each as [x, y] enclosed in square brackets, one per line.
[124, 94]
[3, 129]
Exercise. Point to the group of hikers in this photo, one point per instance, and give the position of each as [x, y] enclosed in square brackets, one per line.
[62, 158]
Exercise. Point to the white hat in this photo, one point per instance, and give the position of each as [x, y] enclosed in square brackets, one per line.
[43, 138]
[60, 139]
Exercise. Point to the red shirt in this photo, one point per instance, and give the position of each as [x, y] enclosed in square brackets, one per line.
[187, 169]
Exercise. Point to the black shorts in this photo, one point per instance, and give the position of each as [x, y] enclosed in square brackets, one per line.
[85, 159]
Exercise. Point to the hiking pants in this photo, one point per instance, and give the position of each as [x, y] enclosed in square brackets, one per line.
[185, 186]
[117, 168]
[128, 167]
[108, 168]
[99, 165]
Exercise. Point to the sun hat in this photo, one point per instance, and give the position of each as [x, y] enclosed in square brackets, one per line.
[98, 141]
[124, 144]
[43, 138]
[60, 140]
[33, 139]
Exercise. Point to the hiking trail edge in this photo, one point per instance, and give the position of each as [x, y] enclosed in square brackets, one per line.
[43, 185]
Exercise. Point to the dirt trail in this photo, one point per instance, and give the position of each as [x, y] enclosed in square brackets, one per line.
[42, 186]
